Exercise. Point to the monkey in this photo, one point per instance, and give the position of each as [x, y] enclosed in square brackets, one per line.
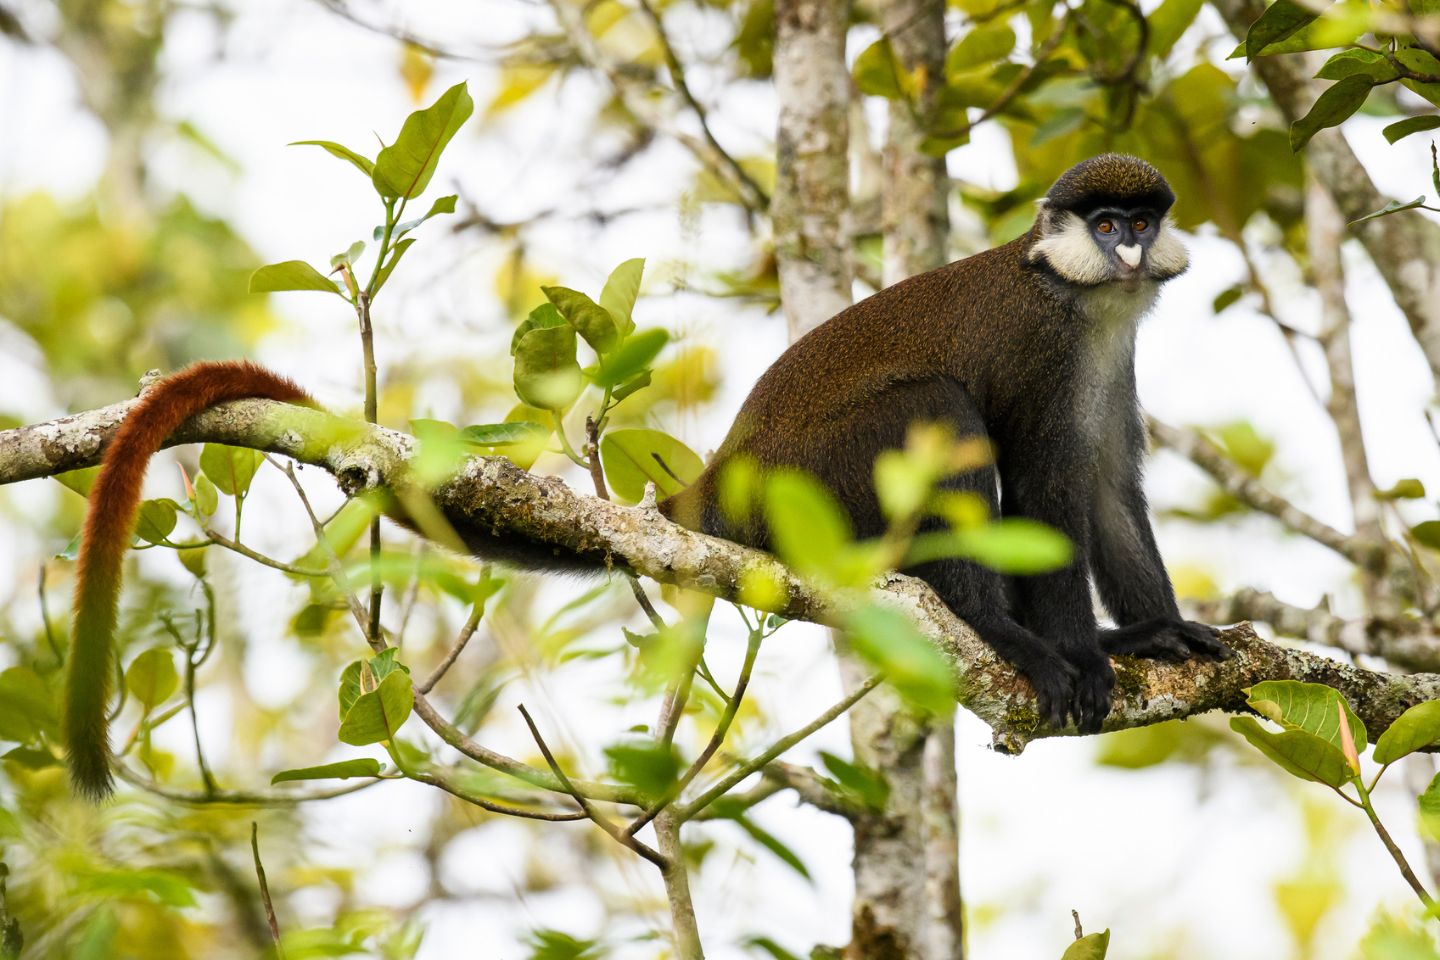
[1029, 346]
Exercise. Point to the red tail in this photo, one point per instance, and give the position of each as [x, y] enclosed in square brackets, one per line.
[109, 527]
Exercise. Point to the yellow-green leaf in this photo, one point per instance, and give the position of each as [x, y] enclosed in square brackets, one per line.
[632, 458]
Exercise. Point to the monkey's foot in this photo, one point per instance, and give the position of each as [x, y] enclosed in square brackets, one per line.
[1163, 639]
[1053, 679]
[1093, 688]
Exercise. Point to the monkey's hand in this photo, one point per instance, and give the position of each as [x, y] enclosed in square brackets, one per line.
[1165, 639]
[1094, 687]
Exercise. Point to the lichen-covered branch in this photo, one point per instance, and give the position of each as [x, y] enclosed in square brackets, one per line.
[492, 495]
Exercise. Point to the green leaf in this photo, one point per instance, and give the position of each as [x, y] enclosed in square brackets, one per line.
[1296, 752]
[1394, 206]
[1413, 730]
[809, 530]
[343, 770]
[634, 355]
[365, 165]
[155, 520]
[632, 458]
[27, 707]
[590, 320]
[859, 783]
[145, 885]
[1429, 811]
[1012, 545]
[541, 318]
[546, 372]
[1332, 108]
[981, 47]
[1092, 946]
[381, 666]
[1227, 298]
[230, 468]
[1403, 128]
[1407, 488]
[290, 275]
[1349, 63]
[504, 434]
[1244, 445]
[151, 677]
[554, 945]
[639, 382]
[404, 168]
[774, 844]
[207, 497]
[646, 764]
[1296, 705]
[1169, 22]
[396, 252]
[621, 290]
[193, 559]
[351, 254]
[775, 950]
[443, 205]
[878, 73]
[1427, 533]
[1280, 20]
[889, 641]
[378, 715]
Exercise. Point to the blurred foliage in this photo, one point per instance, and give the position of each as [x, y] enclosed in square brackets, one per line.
[131, 278]
[107, 298]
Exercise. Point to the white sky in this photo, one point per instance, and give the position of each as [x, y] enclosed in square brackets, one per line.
[1148, 854]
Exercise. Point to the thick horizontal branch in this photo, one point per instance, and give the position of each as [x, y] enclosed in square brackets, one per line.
[1410, 643]
[491, 496]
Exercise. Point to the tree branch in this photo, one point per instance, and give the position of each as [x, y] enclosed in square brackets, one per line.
[490, 496]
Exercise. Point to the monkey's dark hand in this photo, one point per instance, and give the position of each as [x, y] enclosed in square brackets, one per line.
[1093, 688]
[1164, 639]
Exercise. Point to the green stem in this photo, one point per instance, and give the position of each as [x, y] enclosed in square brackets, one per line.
[575, 458]
[1395, 853]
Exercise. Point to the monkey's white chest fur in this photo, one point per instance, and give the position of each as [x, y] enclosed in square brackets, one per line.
[1110, 315]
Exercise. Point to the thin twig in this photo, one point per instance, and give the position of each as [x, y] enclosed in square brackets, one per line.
[265, 890]
[1234, 481]
[677, 76]
[602, 822]
[716, 738]
[688, 810]
[472, 623]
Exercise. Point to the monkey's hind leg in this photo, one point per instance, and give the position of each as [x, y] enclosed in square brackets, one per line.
[976, 594]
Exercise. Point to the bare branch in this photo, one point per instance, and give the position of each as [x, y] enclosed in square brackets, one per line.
[1245, 488]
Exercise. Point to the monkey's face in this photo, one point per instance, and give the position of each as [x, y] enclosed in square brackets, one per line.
[1124, 245]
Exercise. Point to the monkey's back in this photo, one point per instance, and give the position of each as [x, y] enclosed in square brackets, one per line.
[941, 324]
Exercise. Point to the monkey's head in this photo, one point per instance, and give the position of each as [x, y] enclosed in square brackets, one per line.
[1104, 221]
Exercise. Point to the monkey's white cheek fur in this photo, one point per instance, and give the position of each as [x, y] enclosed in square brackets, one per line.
[1070, 251]
[1130, 253]
[1168, 257]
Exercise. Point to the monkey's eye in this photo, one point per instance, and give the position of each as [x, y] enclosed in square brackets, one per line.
[1140, 225]
[1106, 226]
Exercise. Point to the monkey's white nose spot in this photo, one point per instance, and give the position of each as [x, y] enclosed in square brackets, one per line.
[1130, 253]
